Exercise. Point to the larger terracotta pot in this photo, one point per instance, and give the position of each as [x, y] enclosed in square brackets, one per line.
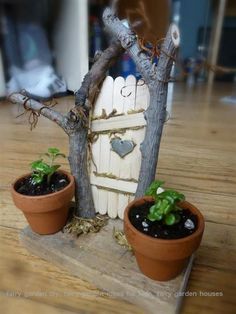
[46, 214]
[162, 259]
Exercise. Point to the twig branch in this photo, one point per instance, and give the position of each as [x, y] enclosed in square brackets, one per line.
[128, 40]
[45, 111]
[156, 111]
[93, 79]
[156, 77]
[85, 98]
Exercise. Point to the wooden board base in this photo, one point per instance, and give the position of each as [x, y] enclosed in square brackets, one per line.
[98, 259]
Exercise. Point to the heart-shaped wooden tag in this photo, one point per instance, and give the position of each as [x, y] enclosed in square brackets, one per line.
[122, 147]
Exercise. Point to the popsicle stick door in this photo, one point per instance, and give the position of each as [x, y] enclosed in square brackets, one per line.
[118, 128]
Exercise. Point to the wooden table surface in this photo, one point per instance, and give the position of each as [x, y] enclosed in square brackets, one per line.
[197, 157]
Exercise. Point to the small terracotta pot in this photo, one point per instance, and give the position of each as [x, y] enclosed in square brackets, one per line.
[162, 259]
[46, 214]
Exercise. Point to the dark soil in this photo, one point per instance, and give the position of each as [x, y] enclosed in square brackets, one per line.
[186, 226]
[58, 182]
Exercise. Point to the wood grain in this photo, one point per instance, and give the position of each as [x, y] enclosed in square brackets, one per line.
[114, 270]
[197, 157]
[29, 276]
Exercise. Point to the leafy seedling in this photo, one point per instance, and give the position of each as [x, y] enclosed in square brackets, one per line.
[42, 169]
[165, 208]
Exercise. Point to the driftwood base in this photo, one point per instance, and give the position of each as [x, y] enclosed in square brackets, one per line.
[98, 259]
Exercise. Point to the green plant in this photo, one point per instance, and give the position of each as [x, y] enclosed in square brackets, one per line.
[165, 208]
[42, 169]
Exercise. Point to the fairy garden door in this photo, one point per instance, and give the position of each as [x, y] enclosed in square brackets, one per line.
[118, 128]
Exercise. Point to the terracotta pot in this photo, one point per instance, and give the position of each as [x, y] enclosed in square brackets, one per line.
[46, 214]
[162, 259]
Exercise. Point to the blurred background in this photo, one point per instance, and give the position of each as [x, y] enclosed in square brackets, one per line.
[47, 46]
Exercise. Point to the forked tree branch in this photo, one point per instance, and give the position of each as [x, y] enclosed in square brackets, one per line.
[74, 123]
